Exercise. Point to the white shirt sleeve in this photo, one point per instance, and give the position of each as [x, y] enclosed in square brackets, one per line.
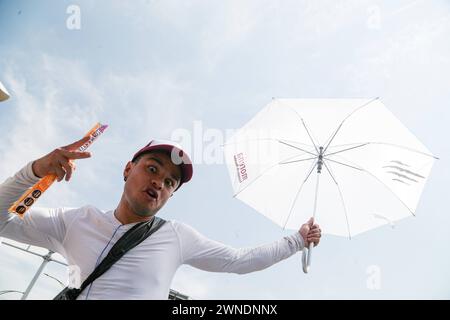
[43, 227]
[209, 255]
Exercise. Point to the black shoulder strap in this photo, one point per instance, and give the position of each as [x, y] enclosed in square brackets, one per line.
[128, 241]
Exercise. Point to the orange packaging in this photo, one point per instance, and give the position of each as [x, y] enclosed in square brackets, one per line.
[31, 195]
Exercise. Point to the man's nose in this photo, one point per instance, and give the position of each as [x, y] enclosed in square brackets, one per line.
[157, 183]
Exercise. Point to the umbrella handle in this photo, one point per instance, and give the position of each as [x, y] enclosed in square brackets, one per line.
[306, 257]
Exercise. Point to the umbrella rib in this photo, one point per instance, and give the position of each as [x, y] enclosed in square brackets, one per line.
[344, 164]
[361, 145]
[342, 198]
[297, 160]
[308, 145]
[404, 204]
[304, 125]
[383, 143]
[406, 148]
[340, 125]
[274, 139]
[374, 176]
[298, 192]
[309, 135]
[251, 182]
[290, 145]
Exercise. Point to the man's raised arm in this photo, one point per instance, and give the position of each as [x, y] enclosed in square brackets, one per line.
[40, 226]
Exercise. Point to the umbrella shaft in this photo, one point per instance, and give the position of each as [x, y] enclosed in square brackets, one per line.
[319, 165]
[316, 194]
[320, 160]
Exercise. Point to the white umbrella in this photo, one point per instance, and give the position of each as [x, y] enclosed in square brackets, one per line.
[371, 168]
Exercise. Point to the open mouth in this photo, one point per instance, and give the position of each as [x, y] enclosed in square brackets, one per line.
[153, 195]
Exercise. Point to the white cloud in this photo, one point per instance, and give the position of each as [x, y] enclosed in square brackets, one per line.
[229, 24]
[291, 47]
[58, 100]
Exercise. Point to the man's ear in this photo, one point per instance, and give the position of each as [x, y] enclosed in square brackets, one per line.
[127, 170]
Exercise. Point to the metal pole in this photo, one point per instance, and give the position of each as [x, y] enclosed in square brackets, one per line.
[36, 254]
[56, 279]
[173, 295]
[47, 259]
[10, 291]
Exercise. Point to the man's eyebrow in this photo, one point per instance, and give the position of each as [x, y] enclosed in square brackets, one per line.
[176, 178]
[157, 160]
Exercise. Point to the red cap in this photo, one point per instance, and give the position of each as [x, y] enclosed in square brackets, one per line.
[178, 156]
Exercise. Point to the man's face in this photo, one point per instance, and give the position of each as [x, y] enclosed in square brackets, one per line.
[151, 181]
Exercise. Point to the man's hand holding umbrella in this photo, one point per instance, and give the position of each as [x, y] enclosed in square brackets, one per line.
[310, 232]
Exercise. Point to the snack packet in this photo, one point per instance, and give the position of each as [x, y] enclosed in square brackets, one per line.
[31, 195]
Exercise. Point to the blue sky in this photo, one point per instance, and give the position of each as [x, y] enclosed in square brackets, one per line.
[152, 68]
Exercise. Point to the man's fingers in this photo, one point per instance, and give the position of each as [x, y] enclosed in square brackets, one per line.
[310, 221]
[314, 240]
[314, 234]
[59, 171]
[63, 162]
[75, 154]
[68, 168]
[77, 144]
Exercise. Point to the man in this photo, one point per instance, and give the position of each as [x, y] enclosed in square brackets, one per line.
[85, 235]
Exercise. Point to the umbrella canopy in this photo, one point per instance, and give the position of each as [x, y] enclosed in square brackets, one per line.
[372, 169]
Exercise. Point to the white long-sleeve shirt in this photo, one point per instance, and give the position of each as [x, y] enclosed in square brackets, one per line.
[84, 236]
